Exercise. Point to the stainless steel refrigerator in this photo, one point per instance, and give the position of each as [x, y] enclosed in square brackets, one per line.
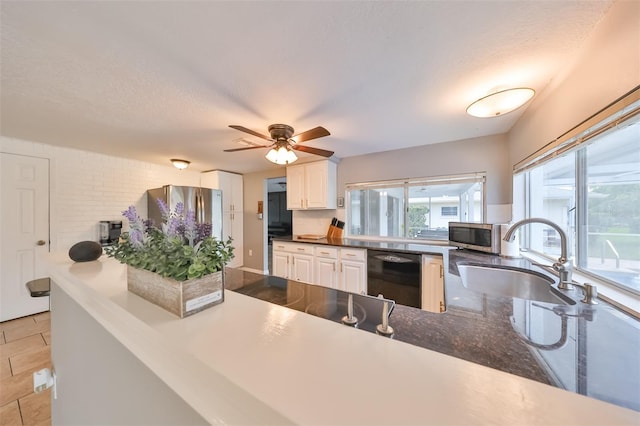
[205, 202]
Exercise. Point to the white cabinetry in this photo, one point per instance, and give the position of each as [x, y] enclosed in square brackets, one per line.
[311, 186]
[342, 269]
[326, 266]
[432, 283]
[231, 185]
[293, 261]
[353, 270]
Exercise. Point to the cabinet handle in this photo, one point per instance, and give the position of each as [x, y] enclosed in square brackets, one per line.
[341, 267]
[293, 260]
[441, 306]
[441, 271]
[301, 203]
[334, 267]
[324, 252]
[300, 249]
[349, 254]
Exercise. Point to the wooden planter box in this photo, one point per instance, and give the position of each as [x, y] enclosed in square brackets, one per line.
[182, 298]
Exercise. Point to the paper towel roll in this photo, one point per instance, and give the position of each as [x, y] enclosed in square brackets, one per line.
[509, 249]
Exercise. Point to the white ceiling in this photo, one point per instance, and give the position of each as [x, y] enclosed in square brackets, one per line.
[164, 79]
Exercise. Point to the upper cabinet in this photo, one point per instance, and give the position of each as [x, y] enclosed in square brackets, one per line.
[311, 186]
[232, 208]
[231, 186]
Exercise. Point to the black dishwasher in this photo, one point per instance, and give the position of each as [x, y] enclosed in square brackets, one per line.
[396, 276]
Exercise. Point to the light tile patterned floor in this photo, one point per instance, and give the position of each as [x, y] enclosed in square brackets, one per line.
[24, 348]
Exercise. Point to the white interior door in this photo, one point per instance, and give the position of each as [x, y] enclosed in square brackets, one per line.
[24, 232]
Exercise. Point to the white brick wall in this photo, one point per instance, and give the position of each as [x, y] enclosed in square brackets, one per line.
[86, 187]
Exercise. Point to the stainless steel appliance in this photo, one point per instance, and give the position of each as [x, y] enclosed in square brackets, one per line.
[205, 202]
[397, 276]
[483, 237]
[110, 231]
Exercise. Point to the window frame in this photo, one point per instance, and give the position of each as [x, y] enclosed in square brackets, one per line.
[624, 111]
[406, 184]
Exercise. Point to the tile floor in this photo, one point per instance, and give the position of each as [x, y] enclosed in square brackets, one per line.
[24, 348]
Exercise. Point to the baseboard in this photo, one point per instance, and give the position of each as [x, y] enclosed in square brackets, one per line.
[255, 271]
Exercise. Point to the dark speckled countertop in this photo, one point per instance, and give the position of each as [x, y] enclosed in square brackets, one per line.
[590, 350]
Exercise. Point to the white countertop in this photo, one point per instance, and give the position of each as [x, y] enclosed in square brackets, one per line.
[247, 361]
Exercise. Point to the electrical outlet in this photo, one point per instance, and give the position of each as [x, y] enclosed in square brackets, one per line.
[43, 380]
[250, 252]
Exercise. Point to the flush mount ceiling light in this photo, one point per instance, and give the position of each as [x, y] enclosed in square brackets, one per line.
[281, 155]
[501, 102]
[180, 164]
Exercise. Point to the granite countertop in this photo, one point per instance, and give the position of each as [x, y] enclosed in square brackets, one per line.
[590, 350]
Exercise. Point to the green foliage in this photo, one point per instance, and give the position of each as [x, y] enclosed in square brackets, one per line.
[170, 257]
[417, 218]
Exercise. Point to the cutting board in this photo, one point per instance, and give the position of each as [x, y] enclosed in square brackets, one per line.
[311, 237]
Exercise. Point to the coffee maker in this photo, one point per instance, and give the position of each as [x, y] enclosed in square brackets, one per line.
[110, 231]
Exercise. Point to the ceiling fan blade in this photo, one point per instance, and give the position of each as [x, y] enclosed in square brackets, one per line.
[244, 149]
[311, 150]
[314, 133]
[251, 132]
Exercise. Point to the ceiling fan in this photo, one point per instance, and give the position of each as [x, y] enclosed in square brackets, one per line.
[284, 142]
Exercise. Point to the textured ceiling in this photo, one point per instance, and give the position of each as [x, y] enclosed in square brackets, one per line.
[157, 80]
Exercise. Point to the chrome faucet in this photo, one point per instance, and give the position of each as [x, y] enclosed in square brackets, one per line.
[563, 265]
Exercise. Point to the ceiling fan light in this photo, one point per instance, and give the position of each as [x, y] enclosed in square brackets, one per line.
[501, 102]
[282, 155]
[180, 164]
[272, 155]
[291, 156]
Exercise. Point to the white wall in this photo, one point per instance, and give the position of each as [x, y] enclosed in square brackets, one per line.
[607, 67]
[86, 188]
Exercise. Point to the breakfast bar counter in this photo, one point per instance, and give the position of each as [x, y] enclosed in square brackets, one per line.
[247, 361]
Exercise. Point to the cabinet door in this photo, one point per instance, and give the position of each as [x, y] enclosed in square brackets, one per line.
[231, 185]
[326, 272]
[235, 224]
[353, 276]
[280, 264]
[235, 185]
[432, 284]
[295, 187]
[302, 268]
[316, 185]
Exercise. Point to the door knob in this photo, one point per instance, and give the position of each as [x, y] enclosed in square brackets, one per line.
[41, 242]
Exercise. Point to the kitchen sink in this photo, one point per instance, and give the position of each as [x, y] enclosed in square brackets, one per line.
[507, 281]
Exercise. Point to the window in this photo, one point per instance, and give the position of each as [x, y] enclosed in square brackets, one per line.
[449, 211]
[414, 208]
[590, 187]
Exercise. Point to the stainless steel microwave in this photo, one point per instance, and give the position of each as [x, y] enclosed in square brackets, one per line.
[483, 237]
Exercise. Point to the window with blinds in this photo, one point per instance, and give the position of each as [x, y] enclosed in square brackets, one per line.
[588, 182]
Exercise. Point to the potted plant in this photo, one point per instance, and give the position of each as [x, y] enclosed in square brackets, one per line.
[178, 265]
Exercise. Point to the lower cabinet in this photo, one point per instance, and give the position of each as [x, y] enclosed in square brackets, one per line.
[342, 269]
[293, 261]
[432, 283]
[339, 268]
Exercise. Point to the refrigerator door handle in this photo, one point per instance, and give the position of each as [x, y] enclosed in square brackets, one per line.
[199, 206]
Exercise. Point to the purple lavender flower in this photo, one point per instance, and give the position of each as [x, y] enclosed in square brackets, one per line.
[173, 226]
[190, 227]
[203, 230]
[164, 210]
[179, 209]
[131, 214]
[137, 235]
